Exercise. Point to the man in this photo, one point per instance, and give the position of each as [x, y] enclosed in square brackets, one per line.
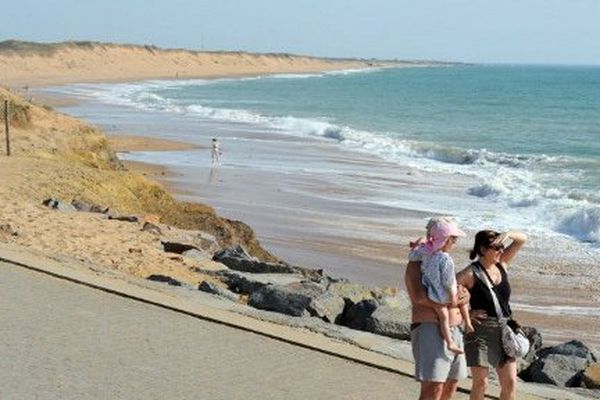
[438, 369]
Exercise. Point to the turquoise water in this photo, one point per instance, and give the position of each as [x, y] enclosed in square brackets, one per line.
[529, 136]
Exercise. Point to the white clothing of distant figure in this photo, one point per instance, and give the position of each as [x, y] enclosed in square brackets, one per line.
[216, 153]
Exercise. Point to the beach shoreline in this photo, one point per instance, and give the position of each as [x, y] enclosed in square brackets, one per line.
[373, 248]
[348, 254]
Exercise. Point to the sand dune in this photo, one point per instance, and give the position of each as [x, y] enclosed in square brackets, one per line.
[35, 64]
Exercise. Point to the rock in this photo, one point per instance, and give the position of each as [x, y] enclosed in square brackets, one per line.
[196, 254]
[85, 207]
[561, 365]
[177, 248]
[356, 315]
[574, 348]
[197, 239]
[535, 341]
[237, 251]
[557, 369]
[354, 293]
[124, 218]
[299, 299]
[247, 283]
[164, 279]
[329, 307]
[8, 230]
[392, 318]
[58, 205]
[151, 228]
[246, 263]
[212, 288]
[400, 301]
[591, 376]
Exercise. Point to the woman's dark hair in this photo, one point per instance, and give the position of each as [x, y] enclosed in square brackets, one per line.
[482, 240]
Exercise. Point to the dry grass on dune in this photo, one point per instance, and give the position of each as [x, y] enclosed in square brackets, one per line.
[55, 155]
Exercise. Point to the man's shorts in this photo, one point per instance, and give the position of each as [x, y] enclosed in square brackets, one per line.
[433, 362]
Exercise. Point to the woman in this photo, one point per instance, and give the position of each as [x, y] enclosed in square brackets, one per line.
[483, 348]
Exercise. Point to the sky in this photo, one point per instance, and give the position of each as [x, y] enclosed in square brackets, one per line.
[498, 31]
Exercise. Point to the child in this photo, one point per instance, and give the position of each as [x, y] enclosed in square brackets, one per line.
[438, 275]
[216, 152]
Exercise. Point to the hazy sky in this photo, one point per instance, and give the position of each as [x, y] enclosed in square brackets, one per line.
[524, 31]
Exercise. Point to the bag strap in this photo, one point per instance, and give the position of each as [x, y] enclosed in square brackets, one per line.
[479, 273]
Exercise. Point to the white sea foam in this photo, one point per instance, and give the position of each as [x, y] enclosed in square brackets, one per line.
[587, 311]
[509, 179]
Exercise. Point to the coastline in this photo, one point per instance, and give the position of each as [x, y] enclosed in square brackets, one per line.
[350, 252]
[27, 65]
[374, 252]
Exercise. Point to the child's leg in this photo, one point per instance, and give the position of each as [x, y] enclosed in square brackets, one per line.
[464, 311]
[444, 318]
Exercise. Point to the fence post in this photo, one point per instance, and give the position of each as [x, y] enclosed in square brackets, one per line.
[7, 127]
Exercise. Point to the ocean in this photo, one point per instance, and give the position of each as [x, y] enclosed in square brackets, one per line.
[525, 139]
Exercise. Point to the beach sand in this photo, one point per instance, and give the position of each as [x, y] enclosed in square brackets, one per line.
[320, 220]
[306, 218]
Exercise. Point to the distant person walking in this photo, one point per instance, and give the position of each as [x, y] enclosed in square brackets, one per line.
[216, 153]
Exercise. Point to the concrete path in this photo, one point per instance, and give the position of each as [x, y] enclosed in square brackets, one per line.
[60, 340]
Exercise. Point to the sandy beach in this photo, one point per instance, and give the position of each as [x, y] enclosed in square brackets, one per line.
[305, 218]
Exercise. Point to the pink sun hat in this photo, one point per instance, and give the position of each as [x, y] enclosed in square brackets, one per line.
[441, 231]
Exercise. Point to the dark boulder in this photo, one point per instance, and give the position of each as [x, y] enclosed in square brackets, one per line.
[535, 341]
[356, 315]
[124, 218]
[560, 365]
[164, 279]
[247, 283]
[177, 248]
[392, 318]
[237, 258]
[212, 288]
[299, 299]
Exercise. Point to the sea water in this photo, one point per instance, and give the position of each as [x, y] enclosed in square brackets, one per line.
[526, 138]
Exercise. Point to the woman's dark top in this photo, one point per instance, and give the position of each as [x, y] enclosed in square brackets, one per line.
[481, 298]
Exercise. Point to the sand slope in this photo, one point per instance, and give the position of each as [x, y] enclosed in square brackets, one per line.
[34, 64]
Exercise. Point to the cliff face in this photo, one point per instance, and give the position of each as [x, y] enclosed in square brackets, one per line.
[54, 155]
[24, 63]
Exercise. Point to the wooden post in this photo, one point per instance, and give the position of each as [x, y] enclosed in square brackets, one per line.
[7, 127]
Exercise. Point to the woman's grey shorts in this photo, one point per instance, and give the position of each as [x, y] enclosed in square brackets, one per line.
[483, 347]
[433, 362]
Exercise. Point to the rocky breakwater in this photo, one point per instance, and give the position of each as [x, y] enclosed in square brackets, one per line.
[301, 292]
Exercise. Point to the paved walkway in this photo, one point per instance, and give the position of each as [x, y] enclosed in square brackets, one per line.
[60, 340]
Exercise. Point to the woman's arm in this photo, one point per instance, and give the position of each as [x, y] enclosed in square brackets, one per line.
[518, 240]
